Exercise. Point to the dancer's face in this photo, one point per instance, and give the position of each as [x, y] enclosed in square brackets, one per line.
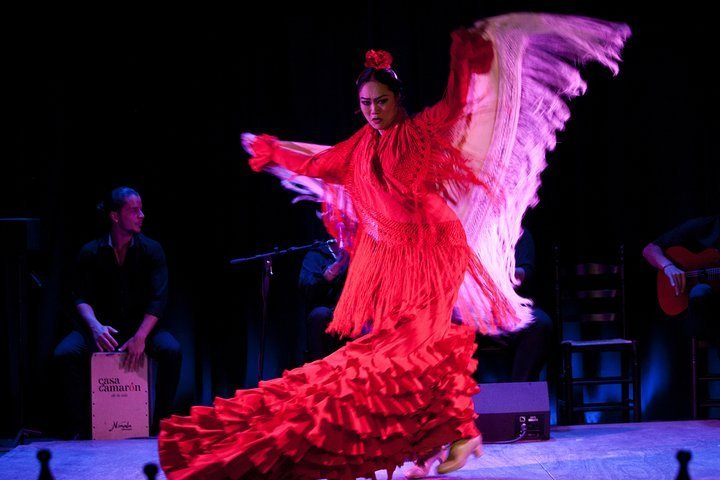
[379, 105]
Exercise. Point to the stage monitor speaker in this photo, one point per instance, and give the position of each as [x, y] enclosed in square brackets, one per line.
[506, 409]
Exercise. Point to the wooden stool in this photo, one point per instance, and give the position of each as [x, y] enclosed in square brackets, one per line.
[120, 398]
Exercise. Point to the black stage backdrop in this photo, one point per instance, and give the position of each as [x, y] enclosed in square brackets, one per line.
[157, 100]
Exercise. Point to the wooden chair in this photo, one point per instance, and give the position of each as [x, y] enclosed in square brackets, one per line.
[590, 297]
[702, 379]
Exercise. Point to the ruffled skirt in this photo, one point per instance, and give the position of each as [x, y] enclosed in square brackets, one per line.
[381, 400]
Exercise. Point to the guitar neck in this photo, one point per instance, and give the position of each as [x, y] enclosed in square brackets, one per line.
[711, 274]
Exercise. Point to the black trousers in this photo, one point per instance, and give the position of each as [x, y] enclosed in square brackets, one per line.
[319, 343]
[528, 349]
[72, 366]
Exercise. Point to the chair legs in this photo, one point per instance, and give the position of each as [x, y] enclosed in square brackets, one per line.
[636, 402]
[702, 379]
[628, 380]
[693, 377]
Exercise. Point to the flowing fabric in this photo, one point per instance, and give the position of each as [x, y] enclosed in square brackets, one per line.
[430, 211]
[510, 119]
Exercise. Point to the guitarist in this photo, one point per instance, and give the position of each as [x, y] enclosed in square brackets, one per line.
[679, 255]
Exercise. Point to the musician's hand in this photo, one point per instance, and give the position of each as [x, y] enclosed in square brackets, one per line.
[135, 348]
[676, 277]
[345, 238]
[337, 267]
[103, 337]
[343, 258]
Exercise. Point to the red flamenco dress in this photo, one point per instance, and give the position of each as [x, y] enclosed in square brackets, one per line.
[435, 205]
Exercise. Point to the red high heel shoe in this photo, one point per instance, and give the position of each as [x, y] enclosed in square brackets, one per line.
[422, 467]
[460, 450]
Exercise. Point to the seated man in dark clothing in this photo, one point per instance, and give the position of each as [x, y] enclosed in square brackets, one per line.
[529, 347]
[120, 292]
[692, 246]
[322, 277]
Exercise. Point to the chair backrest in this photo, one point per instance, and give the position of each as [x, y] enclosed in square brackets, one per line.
[591, 291]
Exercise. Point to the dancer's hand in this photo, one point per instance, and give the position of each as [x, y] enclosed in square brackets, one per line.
[248, 140]
[261, 147]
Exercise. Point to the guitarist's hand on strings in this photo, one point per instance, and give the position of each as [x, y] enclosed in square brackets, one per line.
[676, 277]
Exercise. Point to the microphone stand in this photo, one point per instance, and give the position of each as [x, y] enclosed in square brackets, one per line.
[267, 259]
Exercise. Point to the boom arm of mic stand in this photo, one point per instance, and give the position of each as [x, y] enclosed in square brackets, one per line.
[276, 251]
[267, 273]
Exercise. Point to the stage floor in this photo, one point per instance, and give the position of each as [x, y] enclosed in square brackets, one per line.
[605, 451]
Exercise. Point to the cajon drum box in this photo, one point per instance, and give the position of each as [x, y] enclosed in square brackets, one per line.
[120, 398]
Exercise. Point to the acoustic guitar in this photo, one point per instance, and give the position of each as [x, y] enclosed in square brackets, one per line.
[703, 267]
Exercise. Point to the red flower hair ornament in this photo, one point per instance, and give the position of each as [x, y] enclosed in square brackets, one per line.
[378, 59]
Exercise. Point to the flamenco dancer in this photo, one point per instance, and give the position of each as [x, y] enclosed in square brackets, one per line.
[429, 208]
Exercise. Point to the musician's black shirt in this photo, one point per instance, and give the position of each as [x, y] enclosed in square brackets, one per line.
[696, 235]
[122, 295]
